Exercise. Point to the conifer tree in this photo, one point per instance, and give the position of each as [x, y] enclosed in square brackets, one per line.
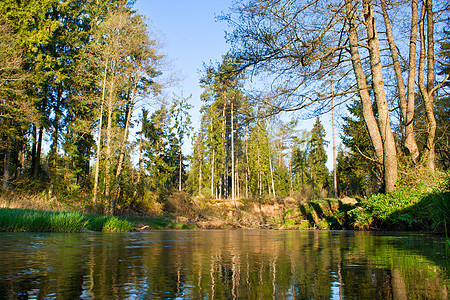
[318, 157]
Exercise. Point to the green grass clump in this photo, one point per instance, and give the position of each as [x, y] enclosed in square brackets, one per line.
[19, 220]
[24, 220]
[108, 224]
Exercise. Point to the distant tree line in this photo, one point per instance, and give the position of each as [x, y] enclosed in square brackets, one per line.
[237, 154]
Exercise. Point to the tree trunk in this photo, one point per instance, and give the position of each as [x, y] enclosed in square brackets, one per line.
[224, 182]
[99, 142]
[212, 146]
[179, 170]
[290, 168]
[247, 176]
[37, 161]
[410, 141]
[389, 148]
[212, 172]
[123, 144]
[427, 91]
[200, 150]
[138, 180]
[7, 166]
[368, 114]
[108, 141]
[22, 159]
[129, 113]
[430, 85]
[270, 161]
[334, 141]
[33, 149]
[233, 179]
[259, 172]
[54, 146]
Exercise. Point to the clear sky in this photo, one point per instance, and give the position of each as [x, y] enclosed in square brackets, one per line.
[192, 36]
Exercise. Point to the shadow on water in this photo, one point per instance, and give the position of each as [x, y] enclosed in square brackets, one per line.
[223, 264]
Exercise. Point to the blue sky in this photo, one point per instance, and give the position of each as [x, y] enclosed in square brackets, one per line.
[191, 36]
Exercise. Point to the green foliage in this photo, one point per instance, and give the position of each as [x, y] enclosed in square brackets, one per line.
[412, 208]
[161, 148]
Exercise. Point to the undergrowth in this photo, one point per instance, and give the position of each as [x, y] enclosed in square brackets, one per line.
[416, 207]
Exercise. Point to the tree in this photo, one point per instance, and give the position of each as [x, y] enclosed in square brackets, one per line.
[318, 157]
[13, 111]
[182, 125]
[359, 172]
[300, 164]
[129, 63]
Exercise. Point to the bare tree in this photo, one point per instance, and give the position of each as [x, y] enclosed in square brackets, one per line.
[296, 44]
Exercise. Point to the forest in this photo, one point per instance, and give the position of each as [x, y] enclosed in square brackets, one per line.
[80, 123]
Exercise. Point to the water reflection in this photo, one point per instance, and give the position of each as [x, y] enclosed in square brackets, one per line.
[233, 264]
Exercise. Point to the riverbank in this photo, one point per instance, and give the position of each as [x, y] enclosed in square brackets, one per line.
[418, 207]
[381, 212]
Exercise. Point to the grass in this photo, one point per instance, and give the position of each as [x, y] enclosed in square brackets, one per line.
[25, 220]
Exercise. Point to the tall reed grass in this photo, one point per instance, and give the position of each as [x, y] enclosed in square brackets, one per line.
[24, 220]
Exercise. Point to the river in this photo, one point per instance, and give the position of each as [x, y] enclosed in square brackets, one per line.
[223, 264]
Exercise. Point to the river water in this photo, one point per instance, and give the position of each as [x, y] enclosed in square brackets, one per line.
[223, 264]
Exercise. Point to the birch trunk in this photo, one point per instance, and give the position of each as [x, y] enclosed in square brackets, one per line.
[108, 140]
[123, 144]
[97, 162]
